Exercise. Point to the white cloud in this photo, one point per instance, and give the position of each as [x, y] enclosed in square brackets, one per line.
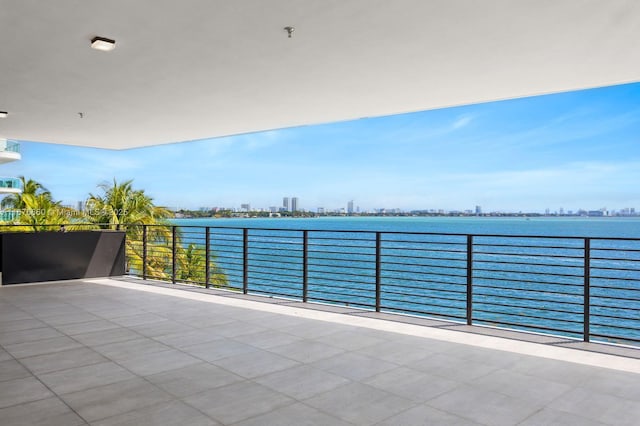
[462, 121]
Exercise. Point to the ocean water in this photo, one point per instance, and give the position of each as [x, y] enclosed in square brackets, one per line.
[528, 273]
[551, 226]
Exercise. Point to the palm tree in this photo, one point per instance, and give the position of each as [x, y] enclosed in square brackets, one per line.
[192, 268]
[36, 208]
[121, 205]
[39, 210]
[29, 187]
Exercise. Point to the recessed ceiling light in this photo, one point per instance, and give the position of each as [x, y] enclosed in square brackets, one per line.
[3, 114]
[102, 43]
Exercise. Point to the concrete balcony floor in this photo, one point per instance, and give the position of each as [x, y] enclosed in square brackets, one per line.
[122, 352]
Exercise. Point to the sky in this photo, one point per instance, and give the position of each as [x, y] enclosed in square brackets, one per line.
[569, 150]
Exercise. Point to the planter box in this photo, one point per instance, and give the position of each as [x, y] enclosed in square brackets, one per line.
[27, 257]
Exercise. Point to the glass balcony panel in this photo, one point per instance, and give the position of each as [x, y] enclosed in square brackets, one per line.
[9, 146]
[10, 183]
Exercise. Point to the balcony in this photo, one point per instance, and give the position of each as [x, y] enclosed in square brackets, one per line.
[580, 288]
[9, 151]
[10, 186]
[143, 351]
[127, 351]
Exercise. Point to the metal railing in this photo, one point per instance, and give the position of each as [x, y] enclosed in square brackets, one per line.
[10, 183]
[37, 226]
[585, 288]
[579, 287]
[8, 145]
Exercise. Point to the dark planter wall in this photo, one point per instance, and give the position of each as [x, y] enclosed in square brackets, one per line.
[50, 256]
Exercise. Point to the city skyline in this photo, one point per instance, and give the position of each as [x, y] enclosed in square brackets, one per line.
[574, 150]
[352, 209]
[477, 210]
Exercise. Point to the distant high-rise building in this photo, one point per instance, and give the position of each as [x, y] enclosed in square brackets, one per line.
[245, 207]
[285, 203]
[273, 209]
[478, 210]
[294, 204]
[320, 210]
[350, 207]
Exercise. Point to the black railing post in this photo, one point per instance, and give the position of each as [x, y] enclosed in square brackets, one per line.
[173, 254]
[144, 252]
[587, 289]
[207, 255]
[378, 270]
[305, 265]
[245, 260]
[469, 279]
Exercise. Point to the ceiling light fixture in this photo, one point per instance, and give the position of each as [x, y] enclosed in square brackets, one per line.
[102, 43]
[3, 114]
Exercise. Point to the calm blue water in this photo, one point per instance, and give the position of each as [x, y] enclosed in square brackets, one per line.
[519, 281]
[570, 226]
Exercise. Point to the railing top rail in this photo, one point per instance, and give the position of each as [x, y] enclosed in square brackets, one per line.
[348, 231]
[68, 225]
[362, 231]
[65, 224]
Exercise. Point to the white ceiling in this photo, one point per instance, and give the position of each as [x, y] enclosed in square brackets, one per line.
[194, 69]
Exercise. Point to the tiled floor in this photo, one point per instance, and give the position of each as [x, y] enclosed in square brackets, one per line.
[108, 352]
